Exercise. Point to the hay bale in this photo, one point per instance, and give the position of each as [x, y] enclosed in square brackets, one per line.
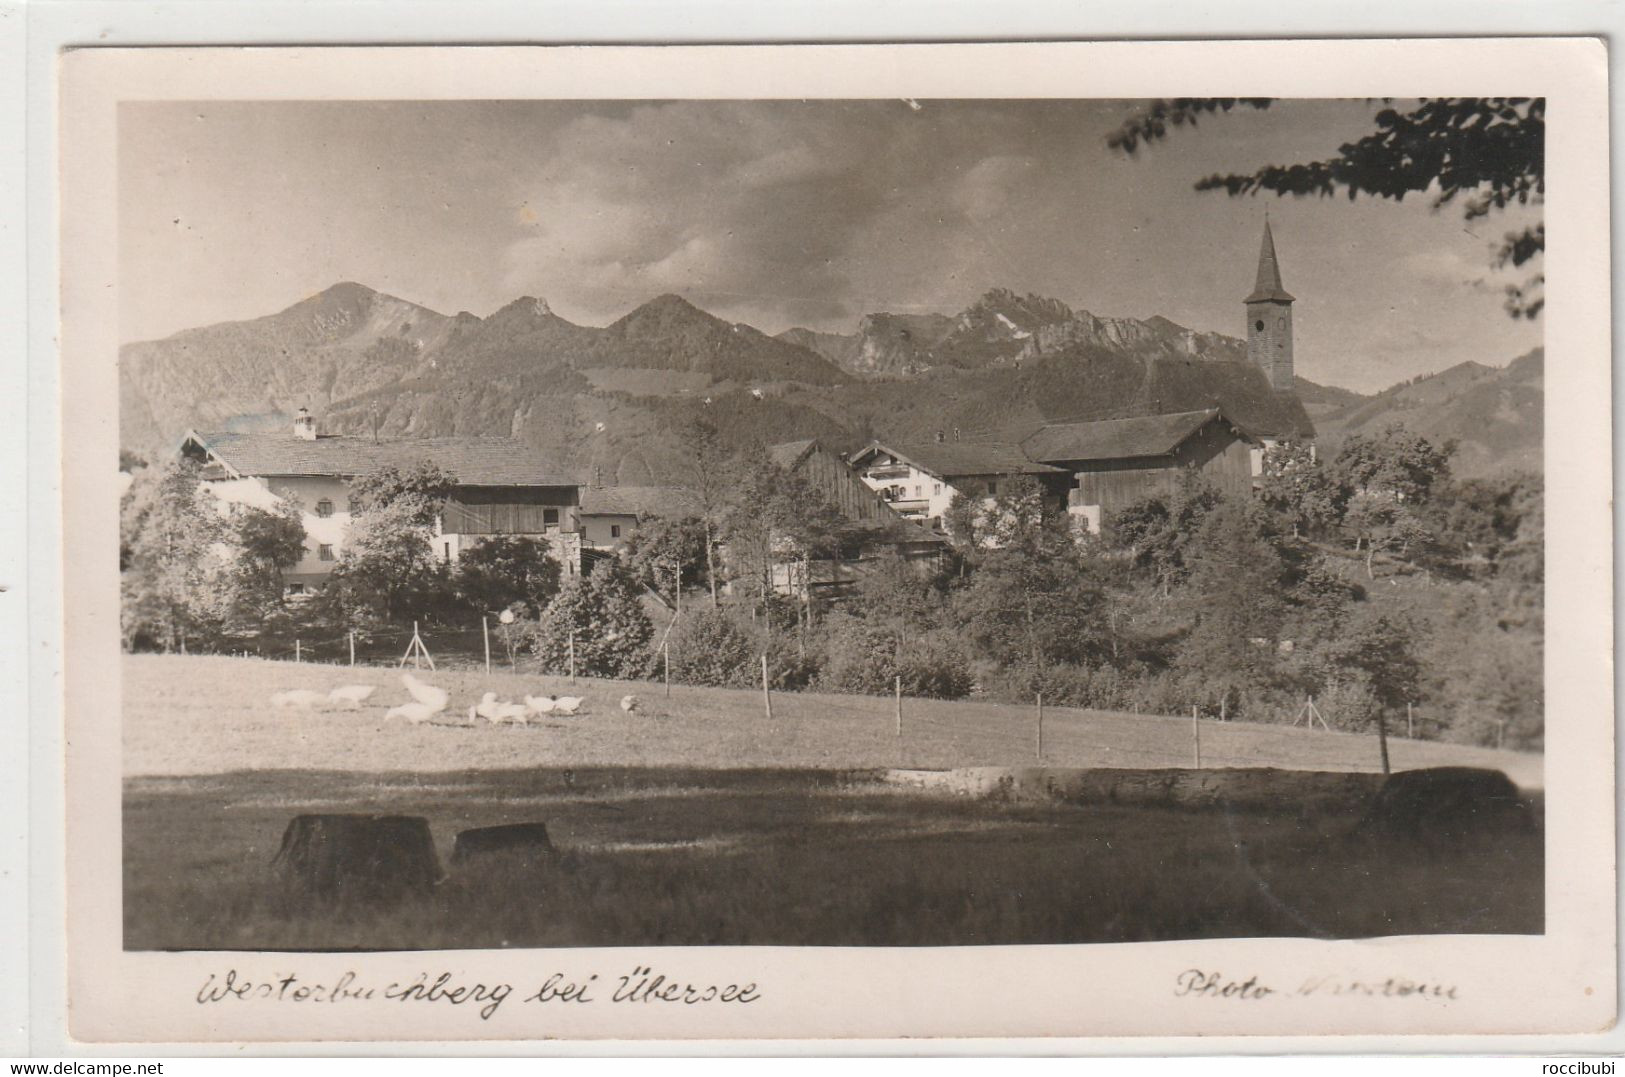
[368, 858]
[519, 841]
[1447, 804]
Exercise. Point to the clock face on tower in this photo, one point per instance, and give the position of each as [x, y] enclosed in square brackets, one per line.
[1259, 325]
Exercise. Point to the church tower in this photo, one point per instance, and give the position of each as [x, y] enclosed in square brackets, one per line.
[1269, 318]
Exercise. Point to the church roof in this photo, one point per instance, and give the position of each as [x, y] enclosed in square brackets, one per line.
[1267, 287]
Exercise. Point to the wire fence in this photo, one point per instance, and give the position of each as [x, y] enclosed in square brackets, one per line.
[1031, 732]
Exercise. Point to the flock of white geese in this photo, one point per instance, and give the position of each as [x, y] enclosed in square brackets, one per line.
[429, 703]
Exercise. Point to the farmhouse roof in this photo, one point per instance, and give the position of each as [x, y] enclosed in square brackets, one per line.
[669, 502]
[1117, 439]
[788, 454]
[952, 459]
[475, 461]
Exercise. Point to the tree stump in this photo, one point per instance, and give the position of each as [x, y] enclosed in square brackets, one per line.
[1447, 804]
[366, 858]
[524, 842]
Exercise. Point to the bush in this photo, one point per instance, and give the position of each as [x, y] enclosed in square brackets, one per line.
[507, 572]
[610, 629]
[863, 658]
[711, 647]
[935, 666]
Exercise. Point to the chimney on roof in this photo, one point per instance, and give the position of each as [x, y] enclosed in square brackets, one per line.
[304, 427]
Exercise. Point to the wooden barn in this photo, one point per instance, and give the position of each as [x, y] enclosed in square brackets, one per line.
[827, 473]
[1116, 462]
[875, 529]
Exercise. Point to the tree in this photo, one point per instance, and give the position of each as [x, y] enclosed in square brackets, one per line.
[1381, 524]
[712, 469]
[747, 529]
[508, 571]
[1236, 593]
[599, 618]
[664, 553]
[1395, 463]
[805, 527]
[1497, 523]
[1489, 152]
[963, 519]
[266, 544]
[1156, 530]
[170, 536]
[424, 482]
[1379, 650]
[1390, 478]
[1034, 599]
[1298, 489]
[387, 571]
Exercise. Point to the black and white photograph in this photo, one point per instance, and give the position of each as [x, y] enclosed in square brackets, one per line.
[954, 523]
[876, 523]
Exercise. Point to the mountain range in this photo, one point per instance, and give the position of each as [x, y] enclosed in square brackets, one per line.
[609, 400]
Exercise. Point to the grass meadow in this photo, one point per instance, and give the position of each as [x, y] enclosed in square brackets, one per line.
[698, 822]
[751, 857]
[206, 715]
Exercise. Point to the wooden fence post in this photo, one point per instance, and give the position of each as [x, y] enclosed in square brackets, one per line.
[665, 653]
[897, 688]
[485, 632]
[296, 651]
[1382, 740]
[1040, 727]
[572, 656]
[352, 646]
[767, 699]
[1410, 723]
[1196, 736]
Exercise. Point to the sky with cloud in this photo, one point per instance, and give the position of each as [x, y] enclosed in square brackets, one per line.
[788, 213]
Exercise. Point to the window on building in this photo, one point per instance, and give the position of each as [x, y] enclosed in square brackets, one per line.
[296, 588]
[614, 530]
[446, 551]
[936, 488]
[916, 491]
[550, 519]
[993, 489]
[352, 505]
[324, 552]
[324, 507]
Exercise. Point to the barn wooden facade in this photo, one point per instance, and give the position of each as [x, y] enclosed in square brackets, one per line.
[1116, 462]
[827, 473]
[504, 487]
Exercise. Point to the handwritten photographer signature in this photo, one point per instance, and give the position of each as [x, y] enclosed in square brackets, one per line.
[1213, 984]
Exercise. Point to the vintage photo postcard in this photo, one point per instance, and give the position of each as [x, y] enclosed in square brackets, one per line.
[823, 542]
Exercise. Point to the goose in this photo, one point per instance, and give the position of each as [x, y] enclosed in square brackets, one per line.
[567, 705]
[303, 698]
[412, 712]
[516, 713]
[490, 706]
[629, 704]
[540, 704]
[351, 696]
[426, 694]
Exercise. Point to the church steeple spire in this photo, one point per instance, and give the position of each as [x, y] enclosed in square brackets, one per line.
[1269, 318]
[1267, 286]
